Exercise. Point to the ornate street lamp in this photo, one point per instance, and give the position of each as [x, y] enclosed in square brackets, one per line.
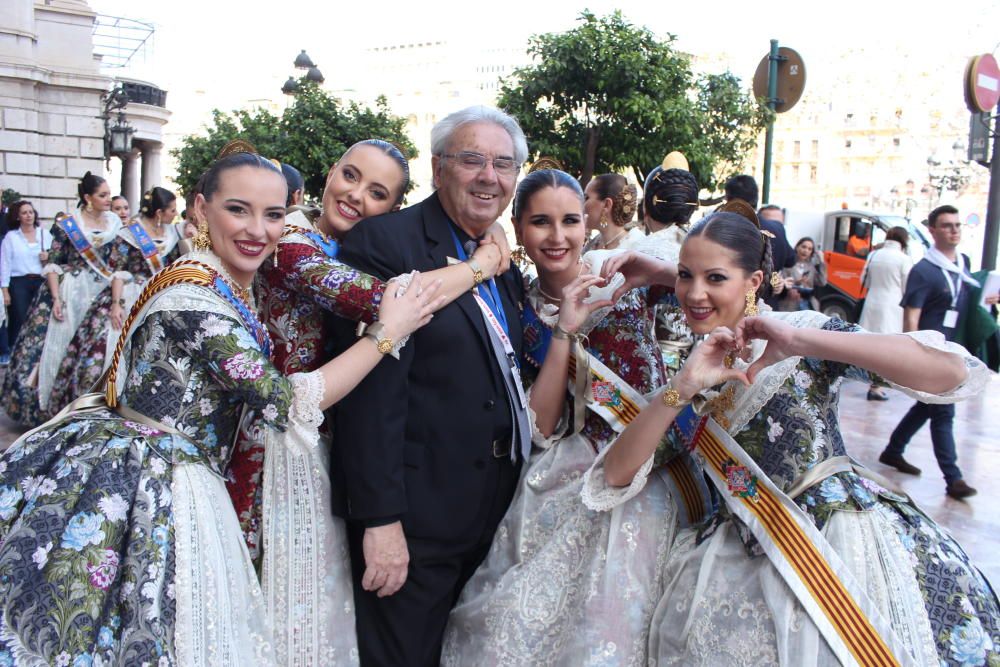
[313, 75]
[117, 137]
[290, 87]
[303, 61]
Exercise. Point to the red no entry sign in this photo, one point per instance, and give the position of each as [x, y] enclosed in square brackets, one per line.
[982, 83]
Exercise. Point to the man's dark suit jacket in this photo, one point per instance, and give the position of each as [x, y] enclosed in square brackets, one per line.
[413, 440]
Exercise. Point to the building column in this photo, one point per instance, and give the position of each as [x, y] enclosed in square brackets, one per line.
[151, 171]
[130, 180]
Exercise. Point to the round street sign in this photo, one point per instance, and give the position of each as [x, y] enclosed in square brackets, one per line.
[982, 83]
[791, 78]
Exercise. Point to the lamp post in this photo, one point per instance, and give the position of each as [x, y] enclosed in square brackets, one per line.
[117, 136]
[302, 61]
[952, 175]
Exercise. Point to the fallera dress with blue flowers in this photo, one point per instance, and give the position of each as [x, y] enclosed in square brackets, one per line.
[725, 602]
[118, 541]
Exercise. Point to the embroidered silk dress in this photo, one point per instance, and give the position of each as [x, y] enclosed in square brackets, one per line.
[90, 350]
[118, 541]
[282, 495]
[672, 332]
[726, 602]
[562, 584]
[43, 341]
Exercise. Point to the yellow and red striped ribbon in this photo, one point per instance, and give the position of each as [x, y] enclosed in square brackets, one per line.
[841, 609]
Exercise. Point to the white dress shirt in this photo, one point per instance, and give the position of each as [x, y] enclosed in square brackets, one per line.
[20, 258]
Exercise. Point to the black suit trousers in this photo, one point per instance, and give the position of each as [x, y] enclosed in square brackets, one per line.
[406, 629]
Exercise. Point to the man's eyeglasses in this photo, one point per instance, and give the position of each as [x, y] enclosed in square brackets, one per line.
[470, 161]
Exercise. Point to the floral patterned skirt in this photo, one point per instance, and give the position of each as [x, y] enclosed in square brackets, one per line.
[19, 394]
[723, 607]
[110, 552]
[563, 584]
[83, 364]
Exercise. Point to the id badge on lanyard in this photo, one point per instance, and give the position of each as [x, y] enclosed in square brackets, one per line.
[951, 315]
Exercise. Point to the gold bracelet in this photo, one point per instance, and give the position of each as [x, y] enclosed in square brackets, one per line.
[562, 334]
[477, 271]
[672, 398]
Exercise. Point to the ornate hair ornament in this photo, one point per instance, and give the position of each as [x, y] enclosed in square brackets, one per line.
[625, 204]
[545, 162]
[675, 160]
[237, 146]
[740, 207]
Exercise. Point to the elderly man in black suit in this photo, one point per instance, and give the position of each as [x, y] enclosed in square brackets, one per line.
[427, 449]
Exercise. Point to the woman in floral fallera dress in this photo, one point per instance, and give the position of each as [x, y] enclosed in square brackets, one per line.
[118, 542]
[562, 584]
[888, 586]
[75, 273]
[301, 285]
[140, 249]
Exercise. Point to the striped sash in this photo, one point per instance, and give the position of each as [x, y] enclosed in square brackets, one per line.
[146, 245]
[850, 623]
[83, 245]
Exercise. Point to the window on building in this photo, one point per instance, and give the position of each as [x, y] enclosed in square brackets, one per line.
[895, 142]
[797, 150]
[847, 144]
[812, 173]
[795, 173]
[815, 148]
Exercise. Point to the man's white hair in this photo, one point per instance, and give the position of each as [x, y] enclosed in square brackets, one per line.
[444, 128]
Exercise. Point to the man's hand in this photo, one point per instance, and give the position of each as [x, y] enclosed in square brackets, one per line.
[992, 299]
[386, 559]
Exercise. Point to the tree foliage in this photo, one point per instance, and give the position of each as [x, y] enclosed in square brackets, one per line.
[607, 96]
[311, 134]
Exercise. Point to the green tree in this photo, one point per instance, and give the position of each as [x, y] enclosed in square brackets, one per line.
[311, 134]
[608, 96]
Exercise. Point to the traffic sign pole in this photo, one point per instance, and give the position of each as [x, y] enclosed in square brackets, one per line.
[772, 94]
[991, 235]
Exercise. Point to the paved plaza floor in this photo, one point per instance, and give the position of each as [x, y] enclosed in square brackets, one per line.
[867, 425]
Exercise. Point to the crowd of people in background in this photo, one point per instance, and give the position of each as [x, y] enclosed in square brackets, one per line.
[283, 432]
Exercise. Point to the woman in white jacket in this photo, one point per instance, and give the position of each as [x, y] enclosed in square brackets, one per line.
[885, 275]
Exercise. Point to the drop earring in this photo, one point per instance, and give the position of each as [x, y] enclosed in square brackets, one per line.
[751, 309]
[202, 241]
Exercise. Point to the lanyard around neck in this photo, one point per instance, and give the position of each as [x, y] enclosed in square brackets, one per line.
[487, 289]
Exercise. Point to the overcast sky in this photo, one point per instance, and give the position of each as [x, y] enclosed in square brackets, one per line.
[238, 50]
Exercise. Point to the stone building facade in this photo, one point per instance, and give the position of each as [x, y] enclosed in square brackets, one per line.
[51, 125]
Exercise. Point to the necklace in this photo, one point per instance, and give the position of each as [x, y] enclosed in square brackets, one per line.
[604, 245]
[547, 295]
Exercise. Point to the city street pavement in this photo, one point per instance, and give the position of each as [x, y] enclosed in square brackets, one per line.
[867, 425]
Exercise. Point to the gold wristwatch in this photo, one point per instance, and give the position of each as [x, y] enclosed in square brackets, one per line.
[672, 398]
[383, 343]
[477, 271]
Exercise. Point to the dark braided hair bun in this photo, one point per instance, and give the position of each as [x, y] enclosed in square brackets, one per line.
[671, 196]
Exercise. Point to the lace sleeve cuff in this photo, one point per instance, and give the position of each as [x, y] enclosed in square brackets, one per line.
[600, 496]
[401, 282]
[539, 440]
[52, 268]
[977, 374]
[307, 394]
